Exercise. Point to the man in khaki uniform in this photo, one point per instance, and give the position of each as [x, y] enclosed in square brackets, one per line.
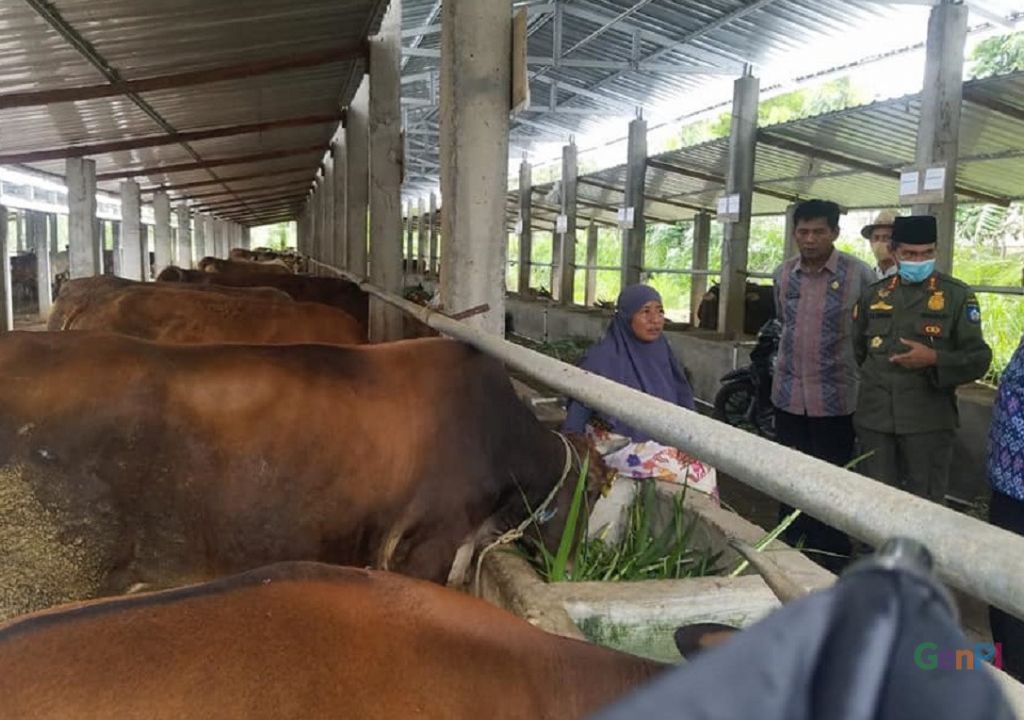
[917, 337]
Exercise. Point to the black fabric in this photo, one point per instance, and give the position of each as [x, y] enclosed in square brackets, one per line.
[845, 653]
[1008, 513]
[830, 439]
[914, 230]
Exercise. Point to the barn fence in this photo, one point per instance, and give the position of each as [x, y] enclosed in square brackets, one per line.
[980, 559]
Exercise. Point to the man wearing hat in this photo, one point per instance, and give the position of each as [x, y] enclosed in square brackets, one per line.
[879, 234]
[917, 337]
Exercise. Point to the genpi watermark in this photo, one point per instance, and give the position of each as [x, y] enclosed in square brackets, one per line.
[929, 656]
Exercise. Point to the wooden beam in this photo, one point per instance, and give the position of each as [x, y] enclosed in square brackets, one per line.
[871, 168]
[220, 162]
[652, 198]
[76, 151]
[203, 183]
[185, 79]
[717, 179]
[242, 192]
[256, 204]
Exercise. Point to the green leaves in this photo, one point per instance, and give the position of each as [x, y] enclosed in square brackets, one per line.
[642, 553]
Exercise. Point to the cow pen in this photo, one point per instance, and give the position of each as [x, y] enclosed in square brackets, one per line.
[472, 166]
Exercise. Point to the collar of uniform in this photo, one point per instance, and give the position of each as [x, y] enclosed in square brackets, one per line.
[832, 264]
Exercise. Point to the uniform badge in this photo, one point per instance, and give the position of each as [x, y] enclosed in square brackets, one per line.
[937, 301]
[881, 305]
[876, 342]
[933, 330]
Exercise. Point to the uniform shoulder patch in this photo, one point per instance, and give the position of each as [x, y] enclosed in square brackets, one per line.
[972, 309]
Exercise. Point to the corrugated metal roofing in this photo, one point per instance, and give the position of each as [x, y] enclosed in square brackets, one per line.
[150, 39]
[720, 35]
[881, 134]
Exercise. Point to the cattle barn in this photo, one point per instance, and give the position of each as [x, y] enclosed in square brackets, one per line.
[266, 413]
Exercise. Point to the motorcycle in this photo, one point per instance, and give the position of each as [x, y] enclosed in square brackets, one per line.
[744, 400]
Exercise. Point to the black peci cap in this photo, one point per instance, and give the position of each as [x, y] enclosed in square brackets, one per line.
[915, 230]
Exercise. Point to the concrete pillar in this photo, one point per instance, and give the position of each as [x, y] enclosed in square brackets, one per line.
[40, 239]
[115, 249]
[184, 244]
[51, 222]
[789, 248]
[83, 261]
[590, 292]
[6, 288]
[526, 218]
[134, 260]
[699, 261]
[199, 237]
[421, 249]
[340, 250]
[327, 243]
[410, 228]
[246, 238]
[432, 235]
[315, 221]
[210, 232]
[357, 198]
[19, 230]
[476, 42]
[162, 231]
[742, 146]
[938, 130]
[386, 322]
[634, 238]
[567, 261]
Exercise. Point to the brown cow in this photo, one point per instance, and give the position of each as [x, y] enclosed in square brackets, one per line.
[234, 267]
[125, 462]
[304, 640]
[336, 292]
[165, 312]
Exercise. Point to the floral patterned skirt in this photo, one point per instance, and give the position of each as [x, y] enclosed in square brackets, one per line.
[641, 460]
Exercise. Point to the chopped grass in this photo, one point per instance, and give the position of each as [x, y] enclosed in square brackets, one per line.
[642, 553]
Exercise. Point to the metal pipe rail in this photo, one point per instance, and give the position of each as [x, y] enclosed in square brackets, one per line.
[980, 559]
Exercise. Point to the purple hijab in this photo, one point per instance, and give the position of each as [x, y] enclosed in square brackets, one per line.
[650, 367]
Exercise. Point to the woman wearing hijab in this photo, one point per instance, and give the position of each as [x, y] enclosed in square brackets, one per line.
[634, 352]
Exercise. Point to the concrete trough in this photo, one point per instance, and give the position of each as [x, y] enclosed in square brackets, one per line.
[641, 617]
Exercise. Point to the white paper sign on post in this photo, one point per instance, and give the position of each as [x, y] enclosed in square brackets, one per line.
[935, 179]
[723, 206]
[562, 223]
[734, 204]
[910, 181]
[626, 217]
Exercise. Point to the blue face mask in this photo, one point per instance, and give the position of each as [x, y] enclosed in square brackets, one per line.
[915, 272]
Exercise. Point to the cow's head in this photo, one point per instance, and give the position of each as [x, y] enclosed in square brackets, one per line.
[582, 453]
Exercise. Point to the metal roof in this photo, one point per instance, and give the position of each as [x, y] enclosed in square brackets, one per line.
[684, 50]
[293, 108]
[851, 156]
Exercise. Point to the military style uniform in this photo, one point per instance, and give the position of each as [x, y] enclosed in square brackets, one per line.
[909, 417]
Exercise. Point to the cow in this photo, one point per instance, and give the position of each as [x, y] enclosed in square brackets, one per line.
[304, 640]
[234, 267]
[166, 312]
[336, 292]
[292, 260]
[130, 464]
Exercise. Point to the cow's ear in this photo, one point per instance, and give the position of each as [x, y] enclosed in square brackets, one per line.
[691, 640]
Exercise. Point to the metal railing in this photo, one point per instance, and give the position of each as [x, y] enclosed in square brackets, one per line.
[978, 558]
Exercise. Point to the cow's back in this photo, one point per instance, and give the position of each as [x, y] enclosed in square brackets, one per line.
[166, 313]
[304, 640]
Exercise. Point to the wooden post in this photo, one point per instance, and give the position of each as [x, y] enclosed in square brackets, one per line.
[634, 238]
[567, 259]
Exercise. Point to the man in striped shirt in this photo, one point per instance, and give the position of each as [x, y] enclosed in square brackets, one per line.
[814, 389]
